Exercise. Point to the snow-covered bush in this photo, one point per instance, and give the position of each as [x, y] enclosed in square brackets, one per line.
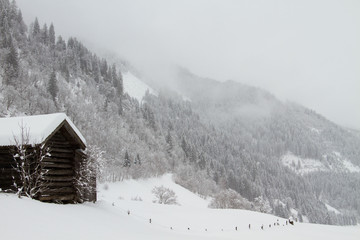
[195, 181]
[262, 205]
[229, 199]
[164, 195]
[137, 198]
[27, 163]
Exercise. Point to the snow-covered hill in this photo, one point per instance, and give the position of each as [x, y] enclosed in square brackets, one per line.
[109, 218]
[135, 87]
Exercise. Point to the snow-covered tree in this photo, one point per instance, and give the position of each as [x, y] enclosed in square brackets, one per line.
[229, 199]
[164, 195]
[53, 86]
[52, 36]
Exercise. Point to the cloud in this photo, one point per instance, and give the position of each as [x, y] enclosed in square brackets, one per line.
[304, 51]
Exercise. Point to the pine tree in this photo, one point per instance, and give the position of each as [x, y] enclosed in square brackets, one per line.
[184, 147]
[127, 162]
[202, 162]
[169, 141]
[21, 24]
[53, 87]
[45, 35]
[11, 68]
[36, 28]
[4, 30]
[13, 9]
[52, 36]
[103, 68]
[137, 159]
[60, 44]
[120, 87]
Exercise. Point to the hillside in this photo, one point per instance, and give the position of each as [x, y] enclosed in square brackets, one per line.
[109, 219]
[280, 158]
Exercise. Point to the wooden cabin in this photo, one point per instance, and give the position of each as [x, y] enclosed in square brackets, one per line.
[55, 154]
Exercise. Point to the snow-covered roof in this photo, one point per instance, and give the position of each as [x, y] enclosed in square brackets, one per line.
[39, 127]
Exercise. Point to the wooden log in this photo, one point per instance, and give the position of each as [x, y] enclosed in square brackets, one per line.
[8, 182]
[6, 151]
[9, 176]
[57, 191]
[58, 178]
[59, 184]
[7, 159]
[59, 172]
[66, 146]
[8, 170]
[61, 155]
[58, 137]
[15, 176]
[57, 160]
[56, 142]
[61, 150]
[69, 197]
[6, 165]
[55, 165]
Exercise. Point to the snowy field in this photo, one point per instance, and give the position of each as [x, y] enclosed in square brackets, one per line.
[109, 218]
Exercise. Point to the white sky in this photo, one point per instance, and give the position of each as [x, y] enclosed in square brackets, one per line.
[306, 51]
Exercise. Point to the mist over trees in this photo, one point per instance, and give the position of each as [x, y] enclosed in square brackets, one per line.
[228, 139]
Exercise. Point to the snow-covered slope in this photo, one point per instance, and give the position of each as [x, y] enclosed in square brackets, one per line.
[141, 189]
[109, 218]
[332, 162]
[135, 87]
[302, 165]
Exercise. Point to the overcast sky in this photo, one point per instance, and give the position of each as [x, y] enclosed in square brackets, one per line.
[302, 51]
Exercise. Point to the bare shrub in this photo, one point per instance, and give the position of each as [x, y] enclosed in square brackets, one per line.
[27, 163]
[137, 198]
[164, 195]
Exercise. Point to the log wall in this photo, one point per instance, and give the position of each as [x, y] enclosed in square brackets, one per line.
[8, 175]
[59, 167]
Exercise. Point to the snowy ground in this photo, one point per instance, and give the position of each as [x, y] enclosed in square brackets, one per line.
[109, 219]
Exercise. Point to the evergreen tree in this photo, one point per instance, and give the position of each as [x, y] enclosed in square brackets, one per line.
[103, 68]
[22, 28]
[169, 141]
[53, 87]
[45, 35]
[11, 68]
[120, 86]
[36, 28]
[137, 159]
[127, 162]
[184, 147]
[13, 9]
[60, 44]
[52, 36]
[4, 29]
[202, 162]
